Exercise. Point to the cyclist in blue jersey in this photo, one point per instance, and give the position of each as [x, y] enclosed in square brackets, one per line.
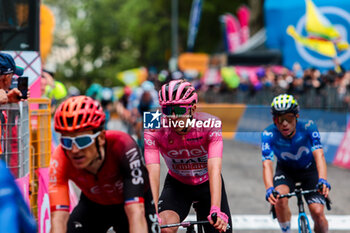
[297, 145]
[15, 216]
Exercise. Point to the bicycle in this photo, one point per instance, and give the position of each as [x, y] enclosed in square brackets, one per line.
[303, 221]
[189, 225]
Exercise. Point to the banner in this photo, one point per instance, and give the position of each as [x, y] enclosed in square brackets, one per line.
[133, 77]
[44, 214]
[195, 17]
[23, 185]
[342, 157]
[309, 32]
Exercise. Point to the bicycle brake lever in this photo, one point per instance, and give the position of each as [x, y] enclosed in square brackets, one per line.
[214, 217]
[275, 193]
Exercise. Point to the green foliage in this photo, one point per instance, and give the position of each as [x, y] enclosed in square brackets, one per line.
[115, 35]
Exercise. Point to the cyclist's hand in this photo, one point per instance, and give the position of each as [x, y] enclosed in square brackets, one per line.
[271, 195]
[323, 186]
[222, 219]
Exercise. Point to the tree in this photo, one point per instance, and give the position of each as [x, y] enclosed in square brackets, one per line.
[114, 35]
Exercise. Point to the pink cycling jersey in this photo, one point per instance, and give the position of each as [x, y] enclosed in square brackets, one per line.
[186, 155]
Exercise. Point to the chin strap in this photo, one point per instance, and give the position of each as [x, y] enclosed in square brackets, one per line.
[186, 129]
[289, 135]
[99, 157]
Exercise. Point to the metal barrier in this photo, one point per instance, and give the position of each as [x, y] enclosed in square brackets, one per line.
[26, 140]
[15, 137]
[40, 144]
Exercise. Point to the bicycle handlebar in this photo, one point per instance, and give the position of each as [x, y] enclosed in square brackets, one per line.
[294, 193]
[302, 192]
[191, 223]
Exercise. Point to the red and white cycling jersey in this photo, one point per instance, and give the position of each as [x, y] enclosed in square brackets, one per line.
[122, 178]
[185, 155]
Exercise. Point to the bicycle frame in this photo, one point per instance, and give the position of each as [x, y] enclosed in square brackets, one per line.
[298, 192]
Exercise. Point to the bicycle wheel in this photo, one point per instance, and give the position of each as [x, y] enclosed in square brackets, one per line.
[303, 225]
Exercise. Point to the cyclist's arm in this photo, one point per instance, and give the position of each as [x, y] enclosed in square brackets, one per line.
[136, 217]
[58, 192]
[268, 173]
[153, 165]
[154, 179]
[214, 172]
[268, 178]
[135, 178]
[59, 221]
[321, 167]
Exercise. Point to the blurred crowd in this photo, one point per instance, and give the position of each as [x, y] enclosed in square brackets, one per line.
[129, 102]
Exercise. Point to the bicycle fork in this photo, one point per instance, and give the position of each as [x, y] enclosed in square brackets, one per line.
[303, 221]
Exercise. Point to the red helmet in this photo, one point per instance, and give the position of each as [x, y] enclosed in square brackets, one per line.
[177, 92]
[79, 113]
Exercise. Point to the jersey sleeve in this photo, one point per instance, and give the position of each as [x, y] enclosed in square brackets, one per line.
[58, 182]
[134, 173]
[215, 142]
[151, 150]
[266, 143]
[314, 135]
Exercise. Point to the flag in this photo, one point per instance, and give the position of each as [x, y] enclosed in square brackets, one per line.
[324, 47]
[317, 24]
[195, 17]
[243, 15]
[232, 35]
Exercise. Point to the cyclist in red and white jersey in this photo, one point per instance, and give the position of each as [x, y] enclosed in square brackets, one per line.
[106, 165]
[192, 151]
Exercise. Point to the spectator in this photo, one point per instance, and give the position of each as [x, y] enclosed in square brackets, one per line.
[7, 69]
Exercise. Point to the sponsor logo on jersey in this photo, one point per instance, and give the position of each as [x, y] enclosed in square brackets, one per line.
[194, 139]
[117, 187]
[150, 142]
[280, 177]
[309, 123]
[186, 152]
[135, 165]
[190, 164]
[269, 134]
[296, 156]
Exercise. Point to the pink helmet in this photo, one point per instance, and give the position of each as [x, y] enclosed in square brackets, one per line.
[177, 92]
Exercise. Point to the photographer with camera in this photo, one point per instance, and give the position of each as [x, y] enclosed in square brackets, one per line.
[7, 69]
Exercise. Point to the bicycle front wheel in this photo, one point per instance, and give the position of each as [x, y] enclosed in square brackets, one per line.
[303, 225]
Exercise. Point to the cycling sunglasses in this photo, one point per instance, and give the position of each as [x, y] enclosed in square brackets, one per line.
[82, 141]
[288, 118]
[179, 110]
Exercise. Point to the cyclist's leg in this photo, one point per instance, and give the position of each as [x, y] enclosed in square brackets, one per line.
[87, 217]
[203, 207]
[174, 203]
[283, 183]
[315, 202]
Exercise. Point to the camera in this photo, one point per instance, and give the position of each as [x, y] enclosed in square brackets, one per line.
[22, 85]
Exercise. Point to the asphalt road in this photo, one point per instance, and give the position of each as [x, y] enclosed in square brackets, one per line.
[242, 172]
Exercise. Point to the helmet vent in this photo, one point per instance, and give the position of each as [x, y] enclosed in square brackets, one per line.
[70, 121]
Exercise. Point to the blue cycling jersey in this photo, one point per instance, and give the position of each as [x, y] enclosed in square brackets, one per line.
[15, 216]
[295, 152]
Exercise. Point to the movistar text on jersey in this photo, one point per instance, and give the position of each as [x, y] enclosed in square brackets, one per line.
[209, 123]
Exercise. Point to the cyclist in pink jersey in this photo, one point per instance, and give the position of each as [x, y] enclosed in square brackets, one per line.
[191, 145]
[107, 166]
